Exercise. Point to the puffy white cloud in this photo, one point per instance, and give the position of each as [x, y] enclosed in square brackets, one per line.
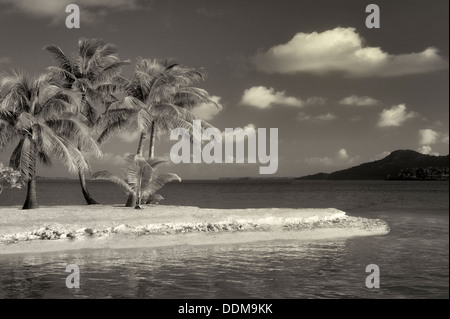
[355, 100]
[303, 117]
[55, 9]
[445, 139]
[395, 116]
[426, 149]
[343, 50]
[342, 154]
[207, 111]
[428, 137]
[263, 98]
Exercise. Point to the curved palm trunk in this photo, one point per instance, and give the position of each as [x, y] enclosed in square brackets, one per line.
[84, 189]
[81, 177]
[31, 200]
[132, 197]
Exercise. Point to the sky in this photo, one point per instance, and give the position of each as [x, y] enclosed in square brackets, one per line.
[339, 93]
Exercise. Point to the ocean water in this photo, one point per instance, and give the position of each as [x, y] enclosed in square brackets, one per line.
[413, 258]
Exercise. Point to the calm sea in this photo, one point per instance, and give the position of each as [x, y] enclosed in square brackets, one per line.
[413, 259]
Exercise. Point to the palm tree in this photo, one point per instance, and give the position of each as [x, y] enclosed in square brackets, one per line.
[160, 98]
[94, 71]
[141, 179]
[38, 114]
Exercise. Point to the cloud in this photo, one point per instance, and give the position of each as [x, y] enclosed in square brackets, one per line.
[303, 117]
[342, 154]
[428, 137]
[129, 137]
[114, 159]
[341, 158]
[426, 149]
[395, 116]
[355, 100]
[91, 10]
[445, 139]
[316, 100]
[343, 50]
[263, 98]
[207, 111]
[5, 60]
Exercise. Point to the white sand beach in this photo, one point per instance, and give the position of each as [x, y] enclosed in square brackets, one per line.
[77, 227]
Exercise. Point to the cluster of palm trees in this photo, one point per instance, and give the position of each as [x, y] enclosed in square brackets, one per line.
[77, 105]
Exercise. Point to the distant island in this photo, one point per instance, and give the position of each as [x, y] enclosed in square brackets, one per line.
[399, 165]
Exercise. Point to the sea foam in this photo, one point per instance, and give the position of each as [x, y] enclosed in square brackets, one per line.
[274, 223]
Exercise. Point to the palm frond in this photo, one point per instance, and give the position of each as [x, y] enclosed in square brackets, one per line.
[155, 162]
[60, 57]
[157, 183]
[14, 161]
[135, 166]
[112, 129]
[107, 176]
[76, 132]
[111, 71]
[27, 159]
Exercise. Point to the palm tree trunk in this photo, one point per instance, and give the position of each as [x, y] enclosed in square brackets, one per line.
[132, 197]
[141, 144]
[31, 200]
[151, 151]
[84, 189]
[81, 177]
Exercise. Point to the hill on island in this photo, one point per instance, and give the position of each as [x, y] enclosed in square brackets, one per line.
[392, 166]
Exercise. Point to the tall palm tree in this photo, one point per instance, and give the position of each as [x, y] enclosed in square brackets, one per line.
[160, 98]
[93, 70]
[38, 114]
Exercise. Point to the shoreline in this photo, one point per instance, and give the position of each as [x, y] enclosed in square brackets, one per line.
[63, 228]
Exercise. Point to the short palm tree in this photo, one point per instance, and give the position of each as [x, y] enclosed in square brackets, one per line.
[38, 113]
[160, 98]
[141, 179]
[94, 71]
